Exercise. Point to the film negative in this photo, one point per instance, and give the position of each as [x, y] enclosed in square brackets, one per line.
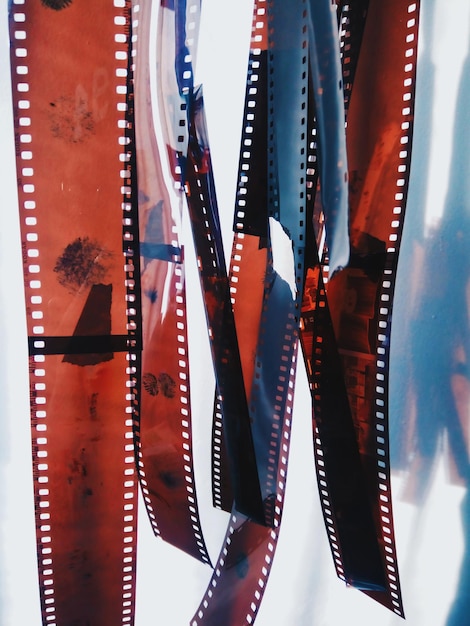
[327, 79]
[231, 394]
[379, 136]
[186, 137]
[341, 478]
[249, 245]
[70, 122]
[237, 586]
[163, 409]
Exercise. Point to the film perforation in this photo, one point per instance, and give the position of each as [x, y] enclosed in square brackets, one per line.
[38, 402]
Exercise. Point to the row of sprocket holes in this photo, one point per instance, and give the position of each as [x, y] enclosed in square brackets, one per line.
[274, 435]
[217, 455]
[259, 24]
[323, 486]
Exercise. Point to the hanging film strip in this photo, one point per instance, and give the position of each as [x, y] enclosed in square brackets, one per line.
[359, 299]
[186, 138]
[163, 411]
[237, 586]
[250, 240]
[70, 122]
[341, 478]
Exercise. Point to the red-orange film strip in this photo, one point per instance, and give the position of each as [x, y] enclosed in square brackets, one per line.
[69, 67]
[379, 133]
[163, 410]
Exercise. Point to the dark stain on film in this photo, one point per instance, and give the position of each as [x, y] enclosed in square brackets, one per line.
[84, 262]
[164, 383]
[56, 5]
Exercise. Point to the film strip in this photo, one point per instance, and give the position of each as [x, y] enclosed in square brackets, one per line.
[236, 589]
[187, 143]
[360, 297]
[232, 399]
[70, 138]
[250, 240]
[163, 411]
[341, 479]
[327, 79]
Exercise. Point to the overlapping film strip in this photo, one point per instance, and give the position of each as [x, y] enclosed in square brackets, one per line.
[112, 155]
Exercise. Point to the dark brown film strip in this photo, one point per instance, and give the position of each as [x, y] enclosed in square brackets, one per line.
[163, 409]
[250, 239]
[70, 135]
[341, 478]
[203, 212]
[360, 298]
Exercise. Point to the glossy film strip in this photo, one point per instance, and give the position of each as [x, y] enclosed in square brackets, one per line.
[359, 298]
[250, 228]
[237, 586]
[69, 104]
[163, 410]
[341, 478]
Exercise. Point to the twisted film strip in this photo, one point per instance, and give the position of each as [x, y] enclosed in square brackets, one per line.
[341, 478]
[237, 586]
[192, 172]
[360, 298]
[203, 212]
[249, 242]
[163, 412]
[241, 574]
[67, 128]
[347, 512]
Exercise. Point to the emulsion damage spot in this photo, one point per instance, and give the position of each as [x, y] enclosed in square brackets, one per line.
[150, 384]
[70, 118]
[57, 5]
[167, 385]
[82, 263]
[164, 383]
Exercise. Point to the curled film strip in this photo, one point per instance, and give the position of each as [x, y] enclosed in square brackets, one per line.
[237, 586]
[360, 297]
[341, 478]
[250, 240]
[69, 126]
[203, 212]
[192, 173]
[163, 423]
